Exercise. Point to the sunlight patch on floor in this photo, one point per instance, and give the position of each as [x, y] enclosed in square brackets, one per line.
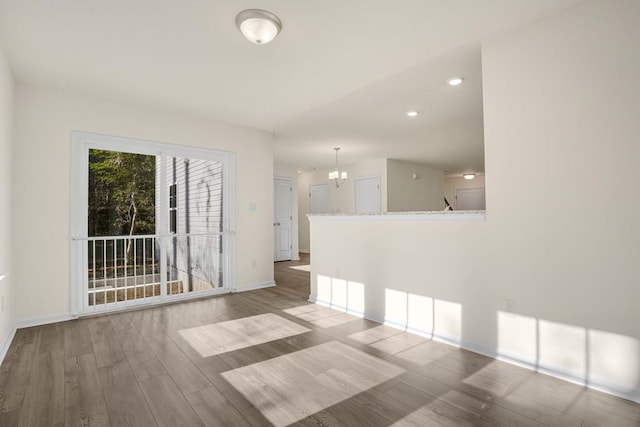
[373, 335]
[391, 340]
[497, 377]
[425, 353]
[302, 267]
[292, 387]
[451, 408]
[398, 343]
[217, 338]
[321, 316]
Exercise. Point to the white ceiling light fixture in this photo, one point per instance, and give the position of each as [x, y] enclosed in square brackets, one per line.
[469, 175]
[258, 26]
[412, 113]
[338, 178]
[455, 81]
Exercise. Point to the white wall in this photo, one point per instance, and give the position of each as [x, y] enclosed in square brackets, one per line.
[341, 200]
[41, 183]
[404, 193]
[560, 99]
[6, 272]
[288, 171]
[451, 184]
[305, 180]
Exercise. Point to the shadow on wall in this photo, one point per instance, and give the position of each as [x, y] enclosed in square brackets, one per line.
[599, 359]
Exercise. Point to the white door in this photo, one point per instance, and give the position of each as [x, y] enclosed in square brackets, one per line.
[282, 219]
[319, 199]
[367, 195]
[470, 199]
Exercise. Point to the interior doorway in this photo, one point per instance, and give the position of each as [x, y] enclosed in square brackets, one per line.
[282, 218]
[319, 199]
[470, 199]
[367, 195]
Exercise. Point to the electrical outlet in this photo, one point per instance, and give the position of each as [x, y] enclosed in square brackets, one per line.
[254, 263]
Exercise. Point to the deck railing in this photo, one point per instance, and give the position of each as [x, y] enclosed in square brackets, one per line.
[123, 270]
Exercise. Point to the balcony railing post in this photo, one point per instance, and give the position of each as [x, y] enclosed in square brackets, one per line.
[163, 242]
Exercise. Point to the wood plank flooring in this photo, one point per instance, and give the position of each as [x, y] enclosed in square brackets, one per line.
[268, 357]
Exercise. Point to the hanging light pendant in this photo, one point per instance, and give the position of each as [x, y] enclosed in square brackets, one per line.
[338, 178]
[258, 26]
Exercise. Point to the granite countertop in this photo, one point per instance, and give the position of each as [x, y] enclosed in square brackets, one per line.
[404, 216]
[404, 213]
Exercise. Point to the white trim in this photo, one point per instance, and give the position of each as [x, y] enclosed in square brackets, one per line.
[556, 372]
[43, 320]
[289, 180]
[338, 308]
[327, 208]
[255, 286]
[437, 216]
[81, 143]
[143, 146]
[151, 302]
[6, 343]
[355, 193]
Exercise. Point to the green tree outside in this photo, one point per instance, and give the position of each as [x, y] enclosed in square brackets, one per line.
[121, 193]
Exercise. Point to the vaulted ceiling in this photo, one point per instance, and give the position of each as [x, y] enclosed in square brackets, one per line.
[341, 73]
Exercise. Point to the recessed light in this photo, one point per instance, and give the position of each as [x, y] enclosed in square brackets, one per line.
[412, 113]
[469, 175]
[455, 81]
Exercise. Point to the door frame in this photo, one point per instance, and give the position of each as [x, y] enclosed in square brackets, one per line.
[290, 182]
[355, 191]
[455, 195]
[324, 185]
[81, 143]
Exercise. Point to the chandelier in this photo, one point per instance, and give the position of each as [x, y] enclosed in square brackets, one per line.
[338, 178]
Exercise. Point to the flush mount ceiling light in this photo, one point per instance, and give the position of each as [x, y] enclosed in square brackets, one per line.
[455, 81]
[469, 175]
[412, 113]
[258, 26]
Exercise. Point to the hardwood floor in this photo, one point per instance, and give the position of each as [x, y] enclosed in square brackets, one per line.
[269, 357]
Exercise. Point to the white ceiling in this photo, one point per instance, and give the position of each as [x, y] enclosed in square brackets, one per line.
[341, 73]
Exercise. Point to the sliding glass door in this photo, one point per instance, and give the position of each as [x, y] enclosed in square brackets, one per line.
[151, 222]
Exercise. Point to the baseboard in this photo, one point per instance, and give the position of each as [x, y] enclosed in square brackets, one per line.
[26, 323]
[556, 372]
[7, 342]
[562, 374]
[43, 320]
[337, 307]
[255, 286]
